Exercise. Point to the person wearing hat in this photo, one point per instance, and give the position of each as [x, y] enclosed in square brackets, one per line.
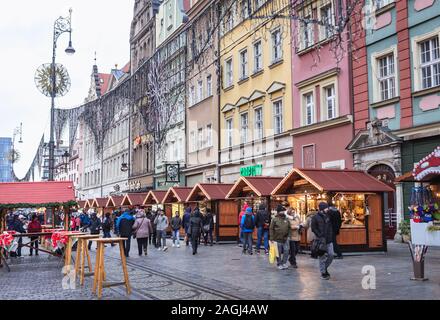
[279, 233]
[247, 226]
[323, 230]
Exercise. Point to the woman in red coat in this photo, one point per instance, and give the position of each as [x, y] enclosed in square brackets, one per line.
[34, 227]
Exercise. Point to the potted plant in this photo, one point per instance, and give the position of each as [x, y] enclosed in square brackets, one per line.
[405, 230]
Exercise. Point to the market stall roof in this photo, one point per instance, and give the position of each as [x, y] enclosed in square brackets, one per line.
[209, 191]
[133, 199]
[177, 194]
[81, 203]
[428, 167]
[330, 180]
[154, 197]
[87, 204]
[99, 203]
[260, 186]
[114, 201]
[36, 192]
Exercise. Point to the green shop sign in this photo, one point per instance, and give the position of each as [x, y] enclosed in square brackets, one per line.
[252, 171]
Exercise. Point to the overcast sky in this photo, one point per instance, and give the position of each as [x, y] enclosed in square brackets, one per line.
[26, 30]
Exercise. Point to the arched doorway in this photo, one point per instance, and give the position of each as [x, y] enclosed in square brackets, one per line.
[386, 174]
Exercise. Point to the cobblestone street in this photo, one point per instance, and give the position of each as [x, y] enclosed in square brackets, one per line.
[222, 272]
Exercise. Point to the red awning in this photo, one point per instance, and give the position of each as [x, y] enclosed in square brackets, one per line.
[134, 199]
[331, 180]
[260, 186]
[428, 167]
[209, 191]
[177, 194]
[36, 192]
[154, 197]
[99, 203]
[114, 201]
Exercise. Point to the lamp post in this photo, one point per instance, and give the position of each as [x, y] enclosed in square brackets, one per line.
[61, 26]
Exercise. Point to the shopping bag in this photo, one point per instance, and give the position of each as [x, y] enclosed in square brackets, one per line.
[273, 252]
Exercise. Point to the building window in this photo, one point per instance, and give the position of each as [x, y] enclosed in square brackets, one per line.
[278, 116]
[243, 64]
[229, 132]
[258, 56]
[200, 138]
[244, 123]
[192, 96]
[306, 31]
[326, 17]
[330, 101]
[430, 62]
[209, 85]
[309, 108]
[245, 9]
[192, 141]
[209, 135]
[199, 90]
[382, 3]
[386, 77]
[228, 73]
[258, 123]
[277, 51]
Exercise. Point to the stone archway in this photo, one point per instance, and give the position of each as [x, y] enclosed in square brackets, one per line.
[386, 174]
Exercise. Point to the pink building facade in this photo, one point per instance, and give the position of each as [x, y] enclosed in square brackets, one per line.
[322, 93]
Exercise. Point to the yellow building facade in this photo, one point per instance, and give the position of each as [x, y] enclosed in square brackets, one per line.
[255, 93]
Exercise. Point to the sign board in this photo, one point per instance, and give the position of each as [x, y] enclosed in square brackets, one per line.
[421, 236]
[252, 171]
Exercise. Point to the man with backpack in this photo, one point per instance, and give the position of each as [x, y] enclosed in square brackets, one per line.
[85, 221]
[323, 244]
[247, 226]
[262, 222]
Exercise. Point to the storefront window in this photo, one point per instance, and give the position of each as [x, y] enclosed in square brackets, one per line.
[352, 208]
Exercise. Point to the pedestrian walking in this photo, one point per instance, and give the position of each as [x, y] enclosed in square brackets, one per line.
[161, 225]
[18, 226]
[195, 229]
[34, 227]
[240, 217]
[208, 227]
[124, 225]
[116, 214]
[279, 233]
[107, 226]
[186, 224]
[295, 236]
[84, 221]
[95, 227]
[154, 221]
[142, 229]
[248, 226]
[262, 222]
[335, 218]
[176, 224]
[150, 217]
[322, 228]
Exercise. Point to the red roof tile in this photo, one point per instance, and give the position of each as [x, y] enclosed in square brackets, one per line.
[177, 194]
[210, 191]
[126, 68]
[260, 186]
[154, 197]
[36, 192]
[104, 79]
[134, 199]
[332, 180]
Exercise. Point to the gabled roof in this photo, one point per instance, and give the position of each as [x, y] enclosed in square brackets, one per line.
[325, 180]
[154, 197]
[36, 192]
[99, 203]
[241, 101]
[209, 191]
[87, 204]
[228, 107]
[275, 86]
[104, 81]
[260, 186]
[256, 95]
[81, 203]
[126, 68]
[133, 199]
[114, 201]
[177, 194]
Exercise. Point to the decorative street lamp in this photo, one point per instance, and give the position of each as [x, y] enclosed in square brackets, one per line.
[53, 80]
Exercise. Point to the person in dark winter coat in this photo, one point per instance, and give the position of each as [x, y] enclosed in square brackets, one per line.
[107, 226]
[323, 230]
[18, 226]
[150, 217]
[279, 233]
[247, 226]
[95, 227]
[335, 219]
[186, 224]
[176, 223]
[195, 229]
[34, 227]
[208, 227]
[262, 222]
[124, 225]
[154, 223]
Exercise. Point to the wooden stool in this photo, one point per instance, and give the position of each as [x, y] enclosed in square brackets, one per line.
[82, 251]
[99, 275]
[68, 249]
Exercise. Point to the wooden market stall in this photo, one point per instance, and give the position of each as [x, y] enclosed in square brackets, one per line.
[154, 197]
[114, 202]
[133, 200]
[357, 195]
[213, 196]
[175, 200]
[100, 206]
